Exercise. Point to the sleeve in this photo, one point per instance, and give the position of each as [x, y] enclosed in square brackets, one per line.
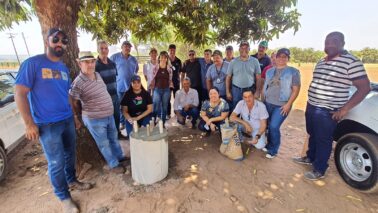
[184, 68]
[257, 67]
[125, 99]
[230, 68]
[26, 74]
[137, 66]
[196, 100]
[208, 73]
[356, 70]
[205, 106]
[238, 108]
[263, 73]
[263, 113]
[296, 79]
[75, 90]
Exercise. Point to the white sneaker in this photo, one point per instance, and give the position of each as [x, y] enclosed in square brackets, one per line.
[270, 156]
[264, 149]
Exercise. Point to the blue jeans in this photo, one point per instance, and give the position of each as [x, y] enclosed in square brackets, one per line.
[117, 110]
[142, 122]
[122, 119]
[261, 143]
[104, 132]
[58, 143]
[193, 112]
[274, 123]
[320, 127]
[161, 101]
[237, 95]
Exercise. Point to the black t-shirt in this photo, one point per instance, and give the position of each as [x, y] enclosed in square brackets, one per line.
[108, 74]
[176, 71]
[264, 61]
[193, 72]
[136, 103]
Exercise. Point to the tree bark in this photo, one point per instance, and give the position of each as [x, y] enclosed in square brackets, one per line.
[64, 15]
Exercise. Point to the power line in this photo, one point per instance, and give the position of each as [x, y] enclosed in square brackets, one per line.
[27, 48]
[11, 36]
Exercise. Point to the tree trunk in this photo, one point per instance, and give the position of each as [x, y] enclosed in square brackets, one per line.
[64, 15]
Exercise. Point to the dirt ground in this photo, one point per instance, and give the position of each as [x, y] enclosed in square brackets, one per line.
[199, 180]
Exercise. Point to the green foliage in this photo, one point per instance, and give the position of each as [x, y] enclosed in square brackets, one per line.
[14, 11]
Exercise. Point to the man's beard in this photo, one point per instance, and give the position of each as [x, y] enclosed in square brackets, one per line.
[57, 53]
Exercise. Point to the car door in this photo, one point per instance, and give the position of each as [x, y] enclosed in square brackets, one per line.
[11, 125]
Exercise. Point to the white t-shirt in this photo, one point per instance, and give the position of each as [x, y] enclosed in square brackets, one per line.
[254, 116]
[148, 70]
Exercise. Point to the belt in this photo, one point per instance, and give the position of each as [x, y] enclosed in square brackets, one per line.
[243, 88]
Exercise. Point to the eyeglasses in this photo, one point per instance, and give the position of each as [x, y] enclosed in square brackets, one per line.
[56, 39]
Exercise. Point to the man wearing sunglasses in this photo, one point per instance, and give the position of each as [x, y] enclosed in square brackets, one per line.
[42, 86]
[192, 70]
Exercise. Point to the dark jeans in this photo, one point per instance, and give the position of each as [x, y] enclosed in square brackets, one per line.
[58, 143]
[205, 94]
[121, 117]
[202, 123]
[320, 127]
[237, 95]
[142, 122]
[117, 112]
[274, 123]
[174, 90]
[193, 112]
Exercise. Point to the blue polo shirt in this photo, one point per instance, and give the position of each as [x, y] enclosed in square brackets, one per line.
[126, 68]
[204, 68]
[218, 77]
[49, 83]
[243, 72]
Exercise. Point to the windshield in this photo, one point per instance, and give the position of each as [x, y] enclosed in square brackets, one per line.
[6, 88]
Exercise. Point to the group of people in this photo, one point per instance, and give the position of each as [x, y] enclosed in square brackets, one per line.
[255, 91]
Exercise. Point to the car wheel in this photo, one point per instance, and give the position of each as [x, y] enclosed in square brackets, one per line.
[356, 158]
[3, 163]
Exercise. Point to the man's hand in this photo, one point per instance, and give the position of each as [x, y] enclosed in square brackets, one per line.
[212, 127]
[32, 132]
[229, 96]
[248, 128]
[285, 109]
[209, 122]
[338, 115]
[253, 141]
[77, 123]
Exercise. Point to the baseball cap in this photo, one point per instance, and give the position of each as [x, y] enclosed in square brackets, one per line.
[85, 56]
[263, 44]
[217, 52]
[229, 47]
[127, 43]
[283, 51]
[135, 78]
[54, 31]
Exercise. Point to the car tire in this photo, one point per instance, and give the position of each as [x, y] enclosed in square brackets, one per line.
[356, 157]
[3, 163]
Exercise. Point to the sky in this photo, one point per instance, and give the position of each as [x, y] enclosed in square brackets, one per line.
[358, 20]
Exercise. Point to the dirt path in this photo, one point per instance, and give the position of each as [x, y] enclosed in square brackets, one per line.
[200, 180]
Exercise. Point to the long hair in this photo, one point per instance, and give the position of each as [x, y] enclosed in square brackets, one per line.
[165, 54]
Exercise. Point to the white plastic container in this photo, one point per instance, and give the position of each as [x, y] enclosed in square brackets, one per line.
[149, 155]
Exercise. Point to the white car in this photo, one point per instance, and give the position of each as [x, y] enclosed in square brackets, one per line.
[356, 153]
[12, 128]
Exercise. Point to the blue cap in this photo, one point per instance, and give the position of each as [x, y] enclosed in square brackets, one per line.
[135, 78]
[283, 51]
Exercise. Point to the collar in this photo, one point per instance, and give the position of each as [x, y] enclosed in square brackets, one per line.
[85, 78]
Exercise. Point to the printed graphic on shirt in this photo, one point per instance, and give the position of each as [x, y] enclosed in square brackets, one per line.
[64, 76]
[138, 100]
[56, 74]
[47, 73]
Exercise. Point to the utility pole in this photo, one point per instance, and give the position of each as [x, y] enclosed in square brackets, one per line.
[11, 36]
[27, 49]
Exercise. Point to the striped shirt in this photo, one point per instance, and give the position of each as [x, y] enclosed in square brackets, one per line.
[95, 100]
[332, 80]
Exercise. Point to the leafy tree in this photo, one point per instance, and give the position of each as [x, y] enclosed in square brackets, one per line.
[195, 22]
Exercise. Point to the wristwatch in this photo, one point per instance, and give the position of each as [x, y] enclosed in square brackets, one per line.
[258, 136]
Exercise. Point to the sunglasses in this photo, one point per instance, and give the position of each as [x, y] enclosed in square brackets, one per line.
[191, 54]
[56, 39]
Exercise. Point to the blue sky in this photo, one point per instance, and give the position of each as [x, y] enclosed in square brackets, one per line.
[358, 20]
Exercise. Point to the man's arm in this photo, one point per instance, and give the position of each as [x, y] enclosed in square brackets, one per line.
[363, 88]
[258, 85]
[76, 108]
[21, 93]
[228, 87]
[209, 84]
